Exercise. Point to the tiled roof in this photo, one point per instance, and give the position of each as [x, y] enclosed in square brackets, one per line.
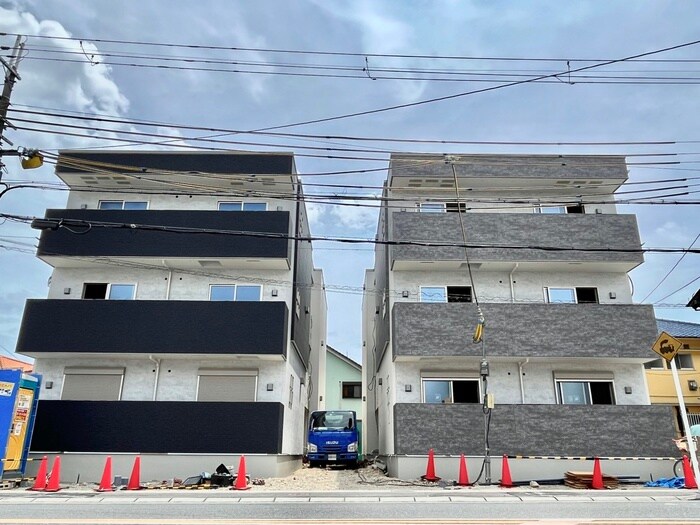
[678, 328]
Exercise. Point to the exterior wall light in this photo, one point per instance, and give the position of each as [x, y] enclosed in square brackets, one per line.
[408, 388]
[692, 384]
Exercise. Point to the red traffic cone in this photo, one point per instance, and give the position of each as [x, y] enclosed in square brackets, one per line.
[430, 469]
[106, 483]
[690, 482]
[41, 480]
[506, 481]
[597, 481]
[463, 474]
[135, 478]
[241, 479]
[55, 476]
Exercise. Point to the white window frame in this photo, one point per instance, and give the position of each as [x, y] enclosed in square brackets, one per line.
[583, 379]
[109, 291]
[658, 360]
[678, 361]
[539, 208]
[548, 299]
[431, 207]
[420, 293]
[122, 202]
[242, 203]
[449, 377]
[235, 291]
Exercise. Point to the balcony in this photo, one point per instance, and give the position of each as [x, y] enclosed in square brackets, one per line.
[609, 235]
[525, 330]
[53, 327]
[538, 430]
[158, 427]
[60, 247]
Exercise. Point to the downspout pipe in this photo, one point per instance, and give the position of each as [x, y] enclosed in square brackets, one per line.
[520, 376]
[510, 282]
[155, 382]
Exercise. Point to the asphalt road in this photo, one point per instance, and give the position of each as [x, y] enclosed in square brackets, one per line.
[391, 507]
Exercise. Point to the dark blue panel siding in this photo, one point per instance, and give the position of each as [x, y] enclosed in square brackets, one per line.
[209, 162]
[544, 430]
[222, 240]
[142, 327]
[158, 427]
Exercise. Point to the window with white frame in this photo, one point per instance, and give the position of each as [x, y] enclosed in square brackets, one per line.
[580, 294]
[235, 292]
[92, 384]
[556, 210]
[242, 206]
[656, 364]
[441, 390]
[684, 361]
[446, 294]
[589, 388]
[351, 390]
[123, 205]
[431, 207]
[112, 291]
[227, 385]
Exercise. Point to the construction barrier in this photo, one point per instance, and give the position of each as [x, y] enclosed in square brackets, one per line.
[592, 458]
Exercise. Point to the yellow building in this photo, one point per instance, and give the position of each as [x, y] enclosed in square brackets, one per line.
[658, 372]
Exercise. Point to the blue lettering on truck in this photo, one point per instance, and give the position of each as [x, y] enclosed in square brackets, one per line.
[332, 438]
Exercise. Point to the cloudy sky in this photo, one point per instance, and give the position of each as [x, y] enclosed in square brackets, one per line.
[623, 102]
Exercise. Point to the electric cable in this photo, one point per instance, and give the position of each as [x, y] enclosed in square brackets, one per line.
[670, 271]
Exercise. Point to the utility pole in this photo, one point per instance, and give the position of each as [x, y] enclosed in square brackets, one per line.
[11, 76]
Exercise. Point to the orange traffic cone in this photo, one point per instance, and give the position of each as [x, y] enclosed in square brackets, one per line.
[106, 483]
[597, 481]
[463, 474]
[506, 481]
[55, 477]
[690, 481]
[430, 470]
[135, 478]
[241, 479]
[41, 480]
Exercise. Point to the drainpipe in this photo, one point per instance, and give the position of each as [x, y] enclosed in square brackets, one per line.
[170, 280]
[155, 383]
[520, 376]
[510, 281]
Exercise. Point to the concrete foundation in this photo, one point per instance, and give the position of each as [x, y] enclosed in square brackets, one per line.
[447, 467]
[159, 467]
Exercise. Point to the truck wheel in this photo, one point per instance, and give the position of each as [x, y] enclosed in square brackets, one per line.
[314, 464]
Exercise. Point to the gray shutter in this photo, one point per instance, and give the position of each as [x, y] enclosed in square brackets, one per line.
[226, 388]
[92, 387]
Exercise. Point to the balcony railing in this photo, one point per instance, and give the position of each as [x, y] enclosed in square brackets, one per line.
[101, 327]
[524, 330]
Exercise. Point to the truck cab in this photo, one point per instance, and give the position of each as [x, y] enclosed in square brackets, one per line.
[332, 438]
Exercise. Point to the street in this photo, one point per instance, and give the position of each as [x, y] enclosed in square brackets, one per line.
[479, 505]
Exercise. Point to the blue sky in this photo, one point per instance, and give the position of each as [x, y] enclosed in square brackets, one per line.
[532, 112]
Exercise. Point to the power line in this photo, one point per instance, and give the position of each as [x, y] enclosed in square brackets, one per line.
[670, 271]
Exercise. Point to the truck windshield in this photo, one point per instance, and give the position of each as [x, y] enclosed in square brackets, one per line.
[331, 420]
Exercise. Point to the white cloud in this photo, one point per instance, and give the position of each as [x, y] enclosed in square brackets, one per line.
[355, 214]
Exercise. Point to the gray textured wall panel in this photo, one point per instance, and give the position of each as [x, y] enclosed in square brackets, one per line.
[567, 430]
[606, 232]
[524, 330]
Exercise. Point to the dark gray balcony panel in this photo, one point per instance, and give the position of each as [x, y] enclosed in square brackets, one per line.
[153, 327]
[599, 232]
[566, 167]
[196, 162]
[539, 430]
[135, 242]
[158, 427]
[525, 330]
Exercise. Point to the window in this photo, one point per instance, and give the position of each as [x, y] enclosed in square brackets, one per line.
[235, 292]
[123, 205]
[576, 208]
[684, 361]
[433, 294]
[431, 207]
[580, 294]
[455, 207]
[92, 384]
[577, 392]
[119, 292]
[438, 390]
[242, 206]
[446, 294]
[227, 385]
[352, 390]
[656, 364]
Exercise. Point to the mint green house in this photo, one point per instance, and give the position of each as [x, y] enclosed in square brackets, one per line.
[343, 384]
